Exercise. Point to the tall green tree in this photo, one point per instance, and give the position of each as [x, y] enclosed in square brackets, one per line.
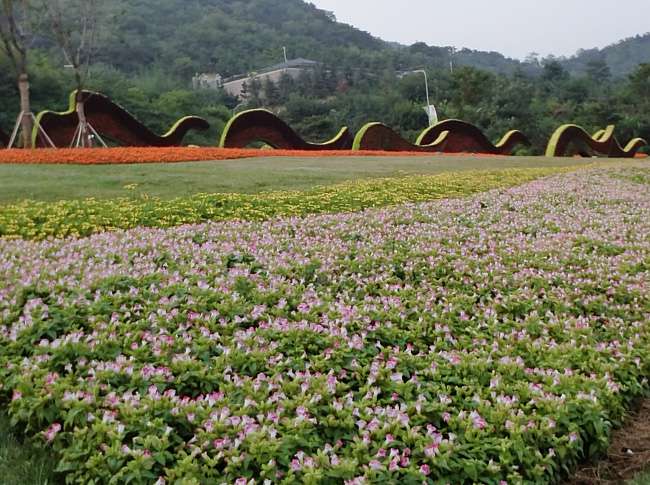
[17, 25]
[76, 27]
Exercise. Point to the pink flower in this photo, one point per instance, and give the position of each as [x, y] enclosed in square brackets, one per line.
[52, 431]
[477, 420]
[16, 395]
[375, 465]
[431, 450]
[220, 443]
[425, 470]
[51, 378]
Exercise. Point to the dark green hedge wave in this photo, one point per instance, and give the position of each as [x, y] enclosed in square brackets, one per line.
[110, 120]
[569, 140]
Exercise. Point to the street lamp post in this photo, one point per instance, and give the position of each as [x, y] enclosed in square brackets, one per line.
[430, 112]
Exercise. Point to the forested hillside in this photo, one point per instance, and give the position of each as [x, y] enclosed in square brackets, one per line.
[237, 36]
[150, 49]
[622, 58]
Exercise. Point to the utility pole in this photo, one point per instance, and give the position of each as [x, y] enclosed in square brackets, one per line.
[430, 109]
[452, 51]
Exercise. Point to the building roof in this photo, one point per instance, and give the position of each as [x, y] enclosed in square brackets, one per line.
[299, 62]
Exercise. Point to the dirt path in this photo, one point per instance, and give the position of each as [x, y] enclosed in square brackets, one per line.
[628, 455]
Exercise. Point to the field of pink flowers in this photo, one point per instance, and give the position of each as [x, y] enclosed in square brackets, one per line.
[492, 339]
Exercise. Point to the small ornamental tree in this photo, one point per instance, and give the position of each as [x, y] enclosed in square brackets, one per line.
[75, 25]
[16, 33]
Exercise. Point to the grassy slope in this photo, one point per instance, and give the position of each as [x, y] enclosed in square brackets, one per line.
[61, 182]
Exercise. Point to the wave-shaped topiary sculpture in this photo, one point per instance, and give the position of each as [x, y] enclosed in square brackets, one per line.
[260, 125]
[456, 136]
[377, 136]
[569, 140]
[113, 121]
[450, 136]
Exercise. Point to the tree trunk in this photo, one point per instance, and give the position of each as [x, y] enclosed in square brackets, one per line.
[27, 124]
[84, 137]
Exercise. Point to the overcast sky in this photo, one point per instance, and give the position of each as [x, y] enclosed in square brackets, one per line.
[513, 27]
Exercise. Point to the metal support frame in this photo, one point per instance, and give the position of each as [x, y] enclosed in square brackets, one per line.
[82, 128]
[19, 121]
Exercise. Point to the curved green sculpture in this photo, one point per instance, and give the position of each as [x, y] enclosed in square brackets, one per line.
[111, 120]
[463, 137]
[260, 125]
[569, 140]
[449, 136]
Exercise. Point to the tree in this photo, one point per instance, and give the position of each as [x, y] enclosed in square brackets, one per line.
[598, 71]
[75, 26]
[285, 86]
[271, 92]
[254, 93]
[16, 32]
[554, 71]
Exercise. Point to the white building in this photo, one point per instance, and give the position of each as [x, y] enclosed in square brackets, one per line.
[207, 81]
[235, 85]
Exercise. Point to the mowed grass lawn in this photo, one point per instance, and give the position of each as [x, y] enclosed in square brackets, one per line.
[165, 181]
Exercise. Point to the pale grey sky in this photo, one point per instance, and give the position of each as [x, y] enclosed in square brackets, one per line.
[513, 27]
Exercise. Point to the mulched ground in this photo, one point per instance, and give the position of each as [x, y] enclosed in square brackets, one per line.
[108, 156]
[628, 455]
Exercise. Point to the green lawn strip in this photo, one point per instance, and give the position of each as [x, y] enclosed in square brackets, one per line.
[40, 220]
[168, 181]
[22, 463]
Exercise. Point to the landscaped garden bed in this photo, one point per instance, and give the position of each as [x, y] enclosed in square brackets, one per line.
[495, 338]
[120, 155]
[38, 220]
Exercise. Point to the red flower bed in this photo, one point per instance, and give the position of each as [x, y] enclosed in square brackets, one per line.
[108, 156]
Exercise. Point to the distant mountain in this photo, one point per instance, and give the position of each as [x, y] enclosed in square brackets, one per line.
[622, 57]
[231, 37]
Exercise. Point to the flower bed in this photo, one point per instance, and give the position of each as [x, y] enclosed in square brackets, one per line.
[495, 339]
[114, 156]
[39, 220]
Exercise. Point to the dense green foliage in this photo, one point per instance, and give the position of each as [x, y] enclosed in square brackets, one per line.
[153, 48]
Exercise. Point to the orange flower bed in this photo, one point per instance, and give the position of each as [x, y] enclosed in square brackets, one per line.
[109, 156]
[642, 155]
